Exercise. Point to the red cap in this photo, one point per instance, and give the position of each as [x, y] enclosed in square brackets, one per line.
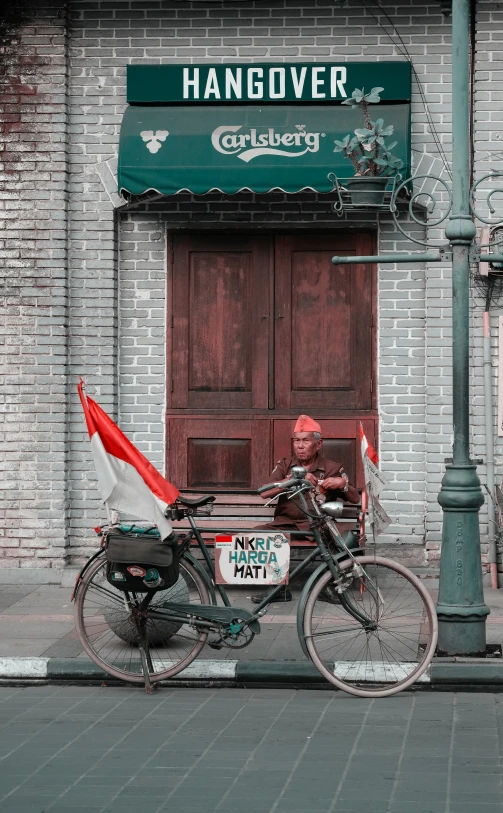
[306, 424]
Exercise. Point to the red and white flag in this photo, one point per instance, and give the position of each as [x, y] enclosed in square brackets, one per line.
[367, 448]
[375, 482]
[127, 481]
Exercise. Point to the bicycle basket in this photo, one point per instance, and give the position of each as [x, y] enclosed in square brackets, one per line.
[139, 563]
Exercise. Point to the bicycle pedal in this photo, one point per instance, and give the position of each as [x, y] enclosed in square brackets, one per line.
[218, 644]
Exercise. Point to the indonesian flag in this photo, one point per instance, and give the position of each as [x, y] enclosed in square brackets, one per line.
[126, 479]
[375, 482]
[367, 448]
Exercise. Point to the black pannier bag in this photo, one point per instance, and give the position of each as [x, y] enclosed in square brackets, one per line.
[141, 562]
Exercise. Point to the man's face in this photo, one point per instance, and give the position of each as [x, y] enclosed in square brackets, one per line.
[305, 446]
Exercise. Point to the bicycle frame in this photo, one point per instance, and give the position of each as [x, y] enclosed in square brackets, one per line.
[321, 550]
[211, 617]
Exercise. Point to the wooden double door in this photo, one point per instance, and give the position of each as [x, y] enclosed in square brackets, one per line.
[264, 327]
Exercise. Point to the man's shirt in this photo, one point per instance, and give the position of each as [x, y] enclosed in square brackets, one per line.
[289, 511]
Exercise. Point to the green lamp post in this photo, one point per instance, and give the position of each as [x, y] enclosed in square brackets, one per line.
[461, 610]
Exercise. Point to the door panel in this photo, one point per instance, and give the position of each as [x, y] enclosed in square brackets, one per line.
[344, 451]
[218, 329]
[323, 337]
[221, 321]
[319, 291]
[219, 453]
[214, 461]
[340, 442]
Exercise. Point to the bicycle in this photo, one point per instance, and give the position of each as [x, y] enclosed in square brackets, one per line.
[367, 623]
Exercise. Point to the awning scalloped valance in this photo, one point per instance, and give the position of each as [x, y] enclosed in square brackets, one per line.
[231, 148]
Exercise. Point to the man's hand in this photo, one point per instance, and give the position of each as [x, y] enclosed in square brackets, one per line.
[311, 479]
[333, 484]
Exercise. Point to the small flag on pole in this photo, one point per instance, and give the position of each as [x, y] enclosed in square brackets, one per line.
[374, 478]
[127, 481]
[367, 448]
[375, 482]
[380, 519]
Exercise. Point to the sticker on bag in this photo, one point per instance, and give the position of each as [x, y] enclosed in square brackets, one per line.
[153, 578]
[135, 570]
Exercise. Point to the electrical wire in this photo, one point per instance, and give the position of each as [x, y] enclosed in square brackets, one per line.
[403, 50]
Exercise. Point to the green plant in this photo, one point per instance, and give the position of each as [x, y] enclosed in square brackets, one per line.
[367, 149]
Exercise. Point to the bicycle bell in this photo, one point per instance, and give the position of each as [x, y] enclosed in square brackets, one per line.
[299, 472]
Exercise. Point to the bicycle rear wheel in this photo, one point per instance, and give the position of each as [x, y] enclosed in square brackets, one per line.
[109, 635]
[390, 642]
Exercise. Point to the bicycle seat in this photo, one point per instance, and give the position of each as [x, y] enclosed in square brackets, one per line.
[195, 502]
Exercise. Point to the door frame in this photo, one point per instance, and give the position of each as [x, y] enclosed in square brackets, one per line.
[370, 414]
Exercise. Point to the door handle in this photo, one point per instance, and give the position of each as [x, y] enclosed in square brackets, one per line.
[280, 316]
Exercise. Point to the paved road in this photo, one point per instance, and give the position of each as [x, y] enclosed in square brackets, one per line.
[87, 750]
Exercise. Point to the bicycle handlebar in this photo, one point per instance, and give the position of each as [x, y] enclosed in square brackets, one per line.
[283, 486]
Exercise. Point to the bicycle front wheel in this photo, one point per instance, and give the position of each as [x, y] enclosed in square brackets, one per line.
[108, 631]
[372, 632]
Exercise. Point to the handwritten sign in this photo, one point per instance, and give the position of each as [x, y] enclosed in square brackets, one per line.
[379, 518]
[374, 478]
[253, 557]
[375, 482]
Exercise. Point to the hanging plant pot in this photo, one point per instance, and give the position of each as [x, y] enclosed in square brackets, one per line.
[367, 190]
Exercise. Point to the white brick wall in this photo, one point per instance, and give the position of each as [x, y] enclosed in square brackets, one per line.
[33, 300]
[120, 300]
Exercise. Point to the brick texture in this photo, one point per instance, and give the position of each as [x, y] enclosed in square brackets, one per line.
[34, 296]
[117, 260]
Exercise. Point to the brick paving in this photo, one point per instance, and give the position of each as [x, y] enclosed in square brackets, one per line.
[76, 750]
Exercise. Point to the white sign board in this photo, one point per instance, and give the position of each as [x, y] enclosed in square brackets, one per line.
[252, 557]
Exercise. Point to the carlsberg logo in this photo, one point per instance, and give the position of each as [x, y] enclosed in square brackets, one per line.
[248, 145]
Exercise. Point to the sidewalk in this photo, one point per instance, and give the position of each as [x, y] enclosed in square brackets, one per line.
[38, 640]
[37, 621]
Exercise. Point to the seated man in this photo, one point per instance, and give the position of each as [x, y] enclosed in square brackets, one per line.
[328, 475]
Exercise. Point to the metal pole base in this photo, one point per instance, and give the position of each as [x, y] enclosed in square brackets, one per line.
[473, 636]
[461, 609]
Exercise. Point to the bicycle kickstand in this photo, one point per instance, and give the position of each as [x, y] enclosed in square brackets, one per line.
[146, 660]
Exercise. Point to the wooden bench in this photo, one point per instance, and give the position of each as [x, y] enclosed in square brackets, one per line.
[234, 512]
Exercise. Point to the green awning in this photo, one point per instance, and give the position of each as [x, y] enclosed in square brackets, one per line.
[226, 148]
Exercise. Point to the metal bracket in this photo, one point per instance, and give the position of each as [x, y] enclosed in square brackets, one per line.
[429, 203]
[443, 255]
[347, 201]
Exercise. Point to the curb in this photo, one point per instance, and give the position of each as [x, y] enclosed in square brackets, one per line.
[473, 674]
